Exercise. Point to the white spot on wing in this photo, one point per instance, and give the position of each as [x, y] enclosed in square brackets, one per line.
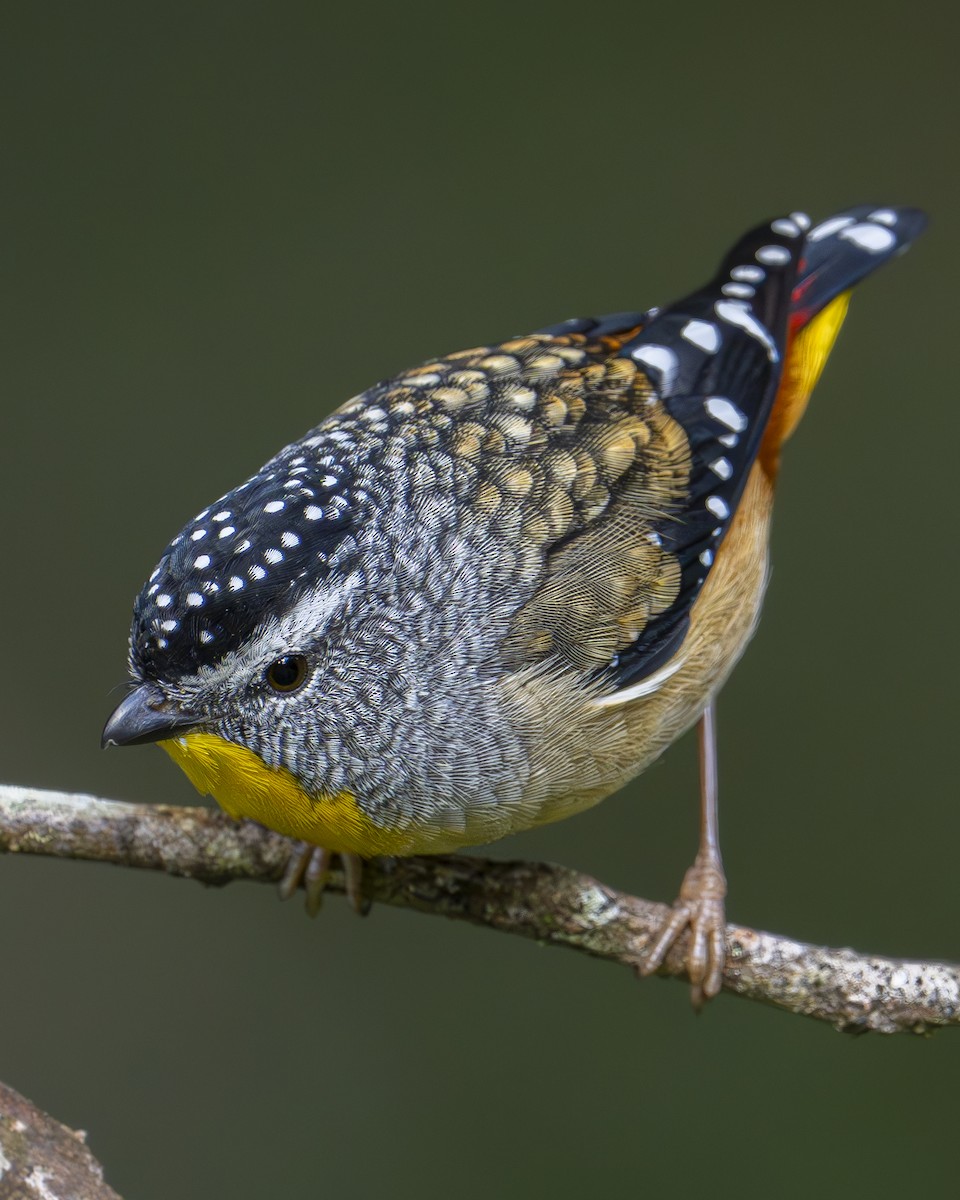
[801, 219]
[702, 334]
[742, 291]
[722, 468]
[645, 687]
[885, 216]
[706, 557]
[872, 238]
[748, 274]
[826, 228]
[736, 312]
[773, 256]
[661, 359]
[786, 227]
[718, 506]
[727, 413]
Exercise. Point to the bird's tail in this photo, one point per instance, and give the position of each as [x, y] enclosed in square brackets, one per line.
[837, 254]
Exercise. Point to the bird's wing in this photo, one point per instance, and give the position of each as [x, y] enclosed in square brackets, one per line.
[671, 449]
[666, 452]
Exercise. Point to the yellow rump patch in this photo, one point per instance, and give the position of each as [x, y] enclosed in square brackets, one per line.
[806, 358]
[245, 786]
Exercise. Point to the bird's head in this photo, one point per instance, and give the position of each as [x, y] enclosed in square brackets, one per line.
[238, 629]
[296, 653]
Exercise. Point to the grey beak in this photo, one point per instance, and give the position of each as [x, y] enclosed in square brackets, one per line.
[145, 716]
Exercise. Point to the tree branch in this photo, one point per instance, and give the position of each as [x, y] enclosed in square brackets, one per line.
[42, 1159]
[552, 904]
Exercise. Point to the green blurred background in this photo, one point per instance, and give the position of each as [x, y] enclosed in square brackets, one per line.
[219, 221]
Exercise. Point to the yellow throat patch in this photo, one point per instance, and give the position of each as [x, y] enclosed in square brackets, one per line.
[245, 786]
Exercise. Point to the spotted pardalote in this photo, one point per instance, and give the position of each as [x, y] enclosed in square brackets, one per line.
[488, 591]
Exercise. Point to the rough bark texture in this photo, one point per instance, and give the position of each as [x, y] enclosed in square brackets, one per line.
[552, 904]
[40, 1159]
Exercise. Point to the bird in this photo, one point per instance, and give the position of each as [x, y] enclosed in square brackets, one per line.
[488, 591]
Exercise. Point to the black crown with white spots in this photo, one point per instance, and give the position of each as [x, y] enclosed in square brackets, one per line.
[245, 558]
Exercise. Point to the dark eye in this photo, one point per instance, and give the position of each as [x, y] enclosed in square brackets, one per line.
[287, 674]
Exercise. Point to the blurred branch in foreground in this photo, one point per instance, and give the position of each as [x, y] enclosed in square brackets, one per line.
[41, 1158]
[551, 904]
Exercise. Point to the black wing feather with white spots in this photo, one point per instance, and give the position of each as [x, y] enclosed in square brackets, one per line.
[716, 358]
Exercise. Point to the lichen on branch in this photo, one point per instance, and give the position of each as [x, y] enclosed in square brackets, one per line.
[551, 904]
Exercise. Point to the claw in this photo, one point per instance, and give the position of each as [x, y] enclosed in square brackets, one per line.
[700, 909]
[310, 865]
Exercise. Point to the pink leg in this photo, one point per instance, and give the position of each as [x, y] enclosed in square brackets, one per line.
[700, 904]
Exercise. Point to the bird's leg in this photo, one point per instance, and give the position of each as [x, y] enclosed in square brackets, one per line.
[700, 904]
[310, 865]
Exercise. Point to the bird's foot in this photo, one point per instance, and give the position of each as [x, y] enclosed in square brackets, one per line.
[699, 908]
[310, 865]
